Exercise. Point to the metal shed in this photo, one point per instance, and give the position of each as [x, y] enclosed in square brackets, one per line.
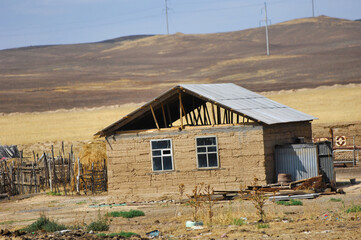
[305, 161]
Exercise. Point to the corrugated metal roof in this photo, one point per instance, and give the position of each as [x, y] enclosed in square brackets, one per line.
[226, 95]
[248, 103]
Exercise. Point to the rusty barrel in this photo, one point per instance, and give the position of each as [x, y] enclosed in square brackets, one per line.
[284, 178]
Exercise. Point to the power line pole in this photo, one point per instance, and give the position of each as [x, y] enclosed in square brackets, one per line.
[266, 20]
[166, 14]
[313, 9]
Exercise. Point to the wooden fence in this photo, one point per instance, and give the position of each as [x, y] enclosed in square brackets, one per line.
[48, 172]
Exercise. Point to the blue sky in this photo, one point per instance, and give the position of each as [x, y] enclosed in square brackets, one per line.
[41, 22]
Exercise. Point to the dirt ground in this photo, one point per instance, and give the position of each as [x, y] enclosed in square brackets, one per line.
[317, 218]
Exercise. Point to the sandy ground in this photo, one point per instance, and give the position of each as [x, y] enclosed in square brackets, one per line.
[317, 218]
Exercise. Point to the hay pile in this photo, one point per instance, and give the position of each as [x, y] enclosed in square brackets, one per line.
[91, 153]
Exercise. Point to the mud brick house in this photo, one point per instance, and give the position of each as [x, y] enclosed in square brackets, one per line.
[219, 134]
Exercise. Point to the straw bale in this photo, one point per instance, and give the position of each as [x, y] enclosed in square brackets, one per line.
[92, 152]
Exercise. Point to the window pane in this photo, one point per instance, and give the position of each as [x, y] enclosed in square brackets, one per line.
[167, 163]
[200, 142]
[206, 141]
[212, 159]
[166, 151]
[201, 149]
[157, 153]
[212, 149]
[202, 160]
[157, 165]
[161, 144]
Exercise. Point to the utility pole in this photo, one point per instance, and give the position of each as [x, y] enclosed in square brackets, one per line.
[313, 8]
[266, 20]
[166, 15]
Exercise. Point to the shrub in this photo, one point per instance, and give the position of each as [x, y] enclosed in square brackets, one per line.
[43, 223]
[354, 209]
[292, 202]
[99, 225]
[124, 214]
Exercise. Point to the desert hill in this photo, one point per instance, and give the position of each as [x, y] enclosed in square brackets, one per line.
[304, 53]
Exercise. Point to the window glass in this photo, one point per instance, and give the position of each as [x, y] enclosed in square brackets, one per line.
[162, 158]
[160, 144]
[207, 153]
[201, 149]
[167, 163]
[202, 160]
[157, 163]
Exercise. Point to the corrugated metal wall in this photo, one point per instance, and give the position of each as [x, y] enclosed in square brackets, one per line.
[299, 160]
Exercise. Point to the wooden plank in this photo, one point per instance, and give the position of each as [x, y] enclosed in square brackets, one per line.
[155, 119]
[180, 108]
[213, 115]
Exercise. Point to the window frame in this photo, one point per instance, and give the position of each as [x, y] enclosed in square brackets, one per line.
[206, 153]
[170, 154]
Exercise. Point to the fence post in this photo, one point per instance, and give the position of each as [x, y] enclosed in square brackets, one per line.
[354, 151]
[50, 180]
[78, 177]
[63, 174]
[105, 176]
[92, 178]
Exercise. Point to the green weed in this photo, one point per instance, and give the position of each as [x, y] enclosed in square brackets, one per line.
[262, 225]
[99, 225]
[291, 202]
[124, 214]
[354, 209]
[336, 200]
[238, 221]
[120, 234]
[53, 193]
[43, 223]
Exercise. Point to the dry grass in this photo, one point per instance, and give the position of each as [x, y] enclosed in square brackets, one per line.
[329, 104]
[73, 125]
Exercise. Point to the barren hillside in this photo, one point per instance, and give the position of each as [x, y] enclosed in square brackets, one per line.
[304, 53]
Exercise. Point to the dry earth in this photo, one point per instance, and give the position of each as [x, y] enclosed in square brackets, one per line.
[318, 218]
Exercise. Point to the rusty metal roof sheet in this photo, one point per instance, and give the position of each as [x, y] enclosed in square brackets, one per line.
[248, 103]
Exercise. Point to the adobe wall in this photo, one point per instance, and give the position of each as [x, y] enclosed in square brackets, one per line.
[130, 176]
[279, 134]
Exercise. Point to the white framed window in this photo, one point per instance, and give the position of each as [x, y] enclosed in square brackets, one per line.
[207, 152]
[162, 155]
